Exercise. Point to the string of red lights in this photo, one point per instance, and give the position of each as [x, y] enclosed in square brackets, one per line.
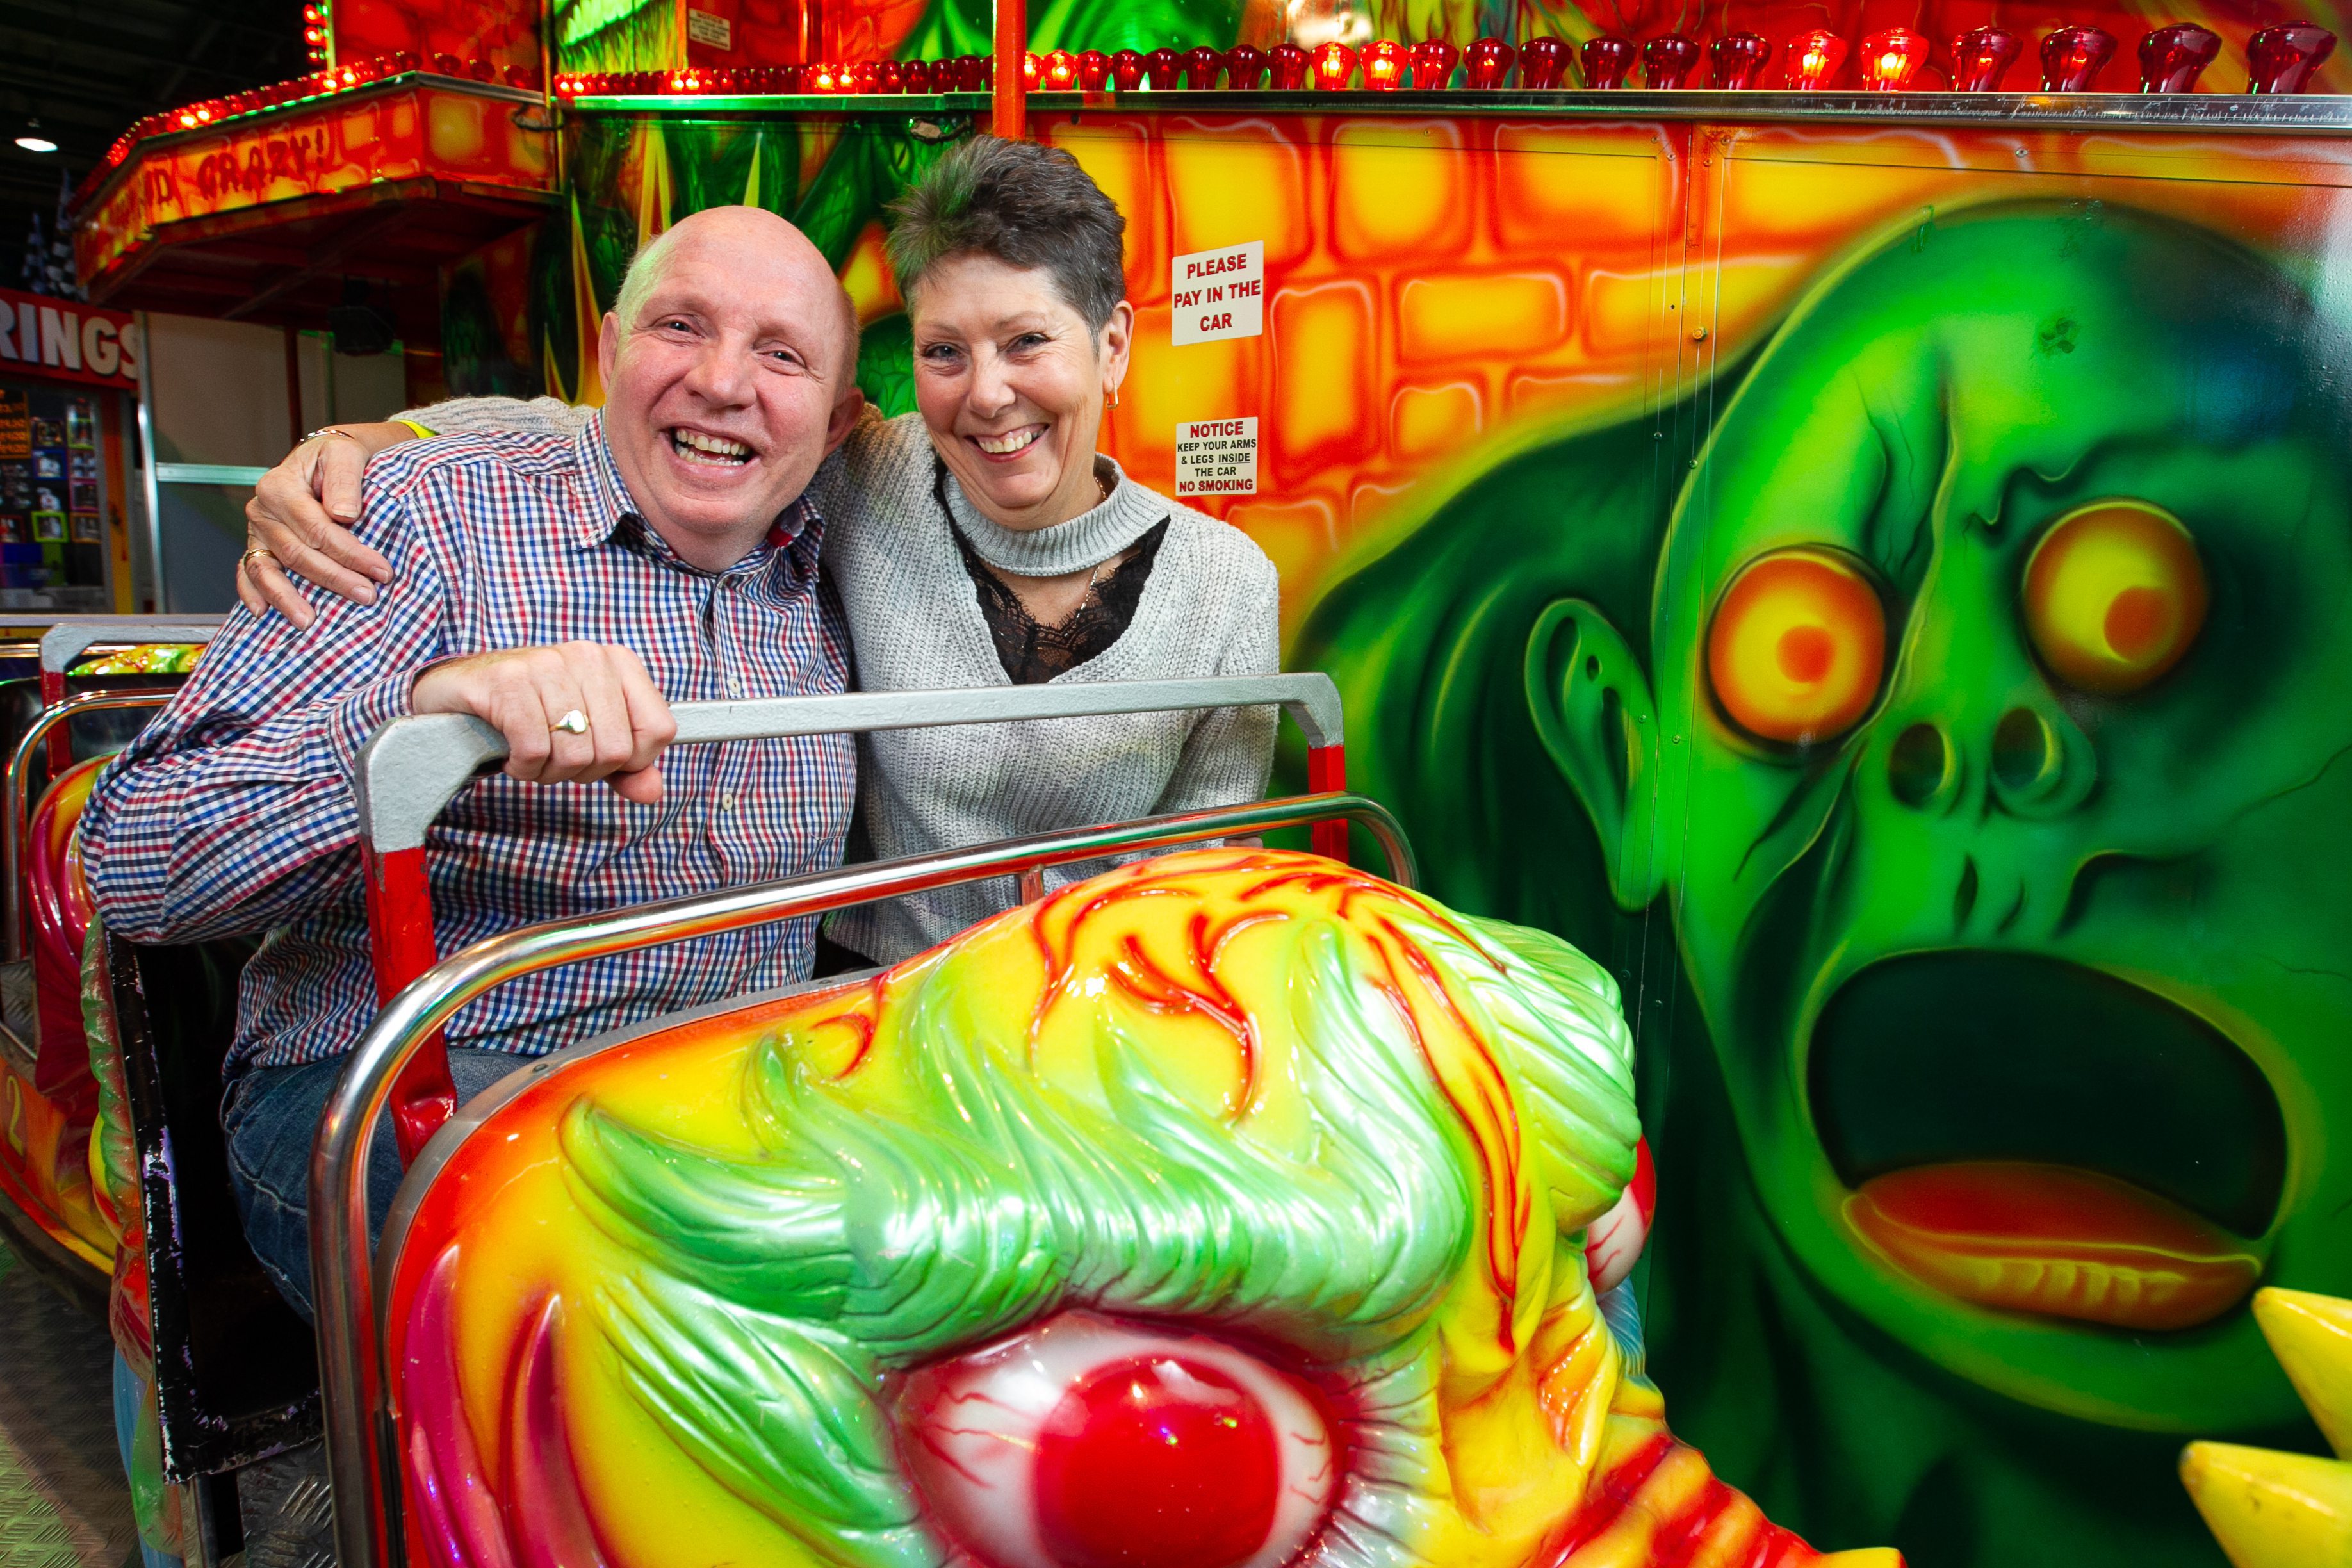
[2072, 59]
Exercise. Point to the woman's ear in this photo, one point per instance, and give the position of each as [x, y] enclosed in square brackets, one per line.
[1118, 337]
[1595, 716]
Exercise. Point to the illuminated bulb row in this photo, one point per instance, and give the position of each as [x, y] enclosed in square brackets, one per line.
[2282, 59]
[315, 33]
[966, 73]
[302, 90]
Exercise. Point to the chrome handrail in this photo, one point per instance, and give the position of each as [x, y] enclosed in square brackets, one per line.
[413, 767]
[17, 822]
[360, 1449]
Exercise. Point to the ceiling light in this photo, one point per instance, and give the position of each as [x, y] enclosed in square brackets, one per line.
[32, 140]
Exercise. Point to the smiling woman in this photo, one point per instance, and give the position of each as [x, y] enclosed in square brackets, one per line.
[980, 540]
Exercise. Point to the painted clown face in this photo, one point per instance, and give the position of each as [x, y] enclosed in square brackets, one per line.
[2001, 652]
[1219, 1211]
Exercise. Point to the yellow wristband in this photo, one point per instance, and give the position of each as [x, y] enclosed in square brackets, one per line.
[421, 433]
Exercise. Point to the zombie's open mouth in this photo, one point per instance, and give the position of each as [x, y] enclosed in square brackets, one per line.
[2033, 1135]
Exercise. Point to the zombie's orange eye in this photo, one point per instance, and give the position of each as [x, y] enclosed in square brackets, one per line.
[2114, 595]
[1798, 646]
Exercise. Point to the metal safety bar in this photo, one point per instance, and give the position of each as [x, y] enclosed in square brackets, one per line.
[361, 1449]
[18, 823]
[411, 768]
[69, 640]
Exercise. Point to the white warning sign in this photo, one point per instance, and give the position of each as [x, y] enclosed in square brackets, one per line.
[1218, 294]
[1216, 458]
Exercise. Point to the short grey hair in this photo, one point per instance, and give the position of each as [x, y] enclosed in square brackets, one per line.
[1025, 205]
[646, 269]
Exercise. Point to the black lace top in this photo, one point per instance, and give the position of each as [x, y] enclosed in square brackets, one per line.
[1033, 653]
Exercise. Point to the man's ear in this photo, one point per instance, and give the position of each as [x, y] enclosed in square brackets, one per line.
[1595, 716]
[608, 347]
[845, 417]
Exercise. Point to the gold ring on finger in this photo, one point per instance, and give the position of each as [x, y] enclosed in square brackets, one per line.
[575, 722]
[259, 550]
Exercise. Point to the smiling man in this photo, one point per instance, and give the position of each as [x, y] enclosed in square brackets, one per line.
[557, 587]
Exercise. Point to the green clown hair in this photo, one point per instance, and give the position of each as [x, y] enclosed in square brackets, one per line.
[779, 1292]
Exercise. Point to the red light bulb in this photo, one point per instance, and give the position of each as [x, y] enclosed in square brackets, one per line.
[915, 74]
[2172, 58]
[1607, 62]
[1335, 62]
[1093, 71]
[1061, 73]
[1127, 70]
[1288, 65]
[2282, 59]
[890, 76]
[1543, 63]
[1487, 62]
[1811, 59]
[1433, 60]
[1201, 69]
[867, 76]
[1981, 57]
[970, 72]
[824, 77]
[2072, 58]
[1033, 71]
[1244, 68]
[1737, 60]
[1383, 65]
[1667, 61]
[1164, 69]
[1891, 59]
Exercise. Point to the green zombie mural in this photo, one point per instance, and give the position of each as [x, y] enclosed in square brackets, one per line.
[1942, 720]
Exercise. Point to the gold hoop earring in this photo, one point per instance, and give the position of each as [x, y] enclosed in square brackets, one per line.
[1110, 400]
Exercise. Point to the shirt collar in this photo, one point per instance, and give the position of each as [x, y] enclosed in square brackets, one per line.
[611, 516]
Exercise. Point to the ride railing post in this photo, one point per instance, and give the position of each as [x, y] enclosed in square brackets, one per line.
[17, 825]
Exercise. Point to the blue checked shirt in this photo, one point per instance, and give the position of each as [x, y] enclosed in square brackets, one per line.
[233, 811]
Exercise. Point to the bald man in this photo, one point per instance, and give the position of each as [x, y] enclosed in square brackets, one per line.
[555, 586]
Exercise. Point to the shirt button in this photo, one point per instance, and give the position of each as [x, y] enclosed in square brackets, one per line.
[726, 800]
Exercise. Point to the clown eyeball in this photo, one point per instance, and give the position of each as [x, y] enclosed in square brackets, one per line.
[1087, 1443]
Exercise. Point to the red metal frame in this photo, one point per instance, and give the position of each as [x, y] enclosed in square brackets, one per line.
[1327, 773]
[400, 930]
[1009, 93]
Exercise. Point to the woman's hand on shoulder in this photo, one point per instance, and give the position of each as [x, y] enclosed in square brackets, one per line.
[298, 523]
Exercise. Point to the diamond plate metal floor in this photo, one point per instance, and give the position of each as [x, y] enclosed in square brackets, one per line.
[63, 1499]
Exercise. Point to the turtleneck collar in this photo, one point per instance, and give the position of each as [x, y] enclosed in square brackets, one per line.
[1089, 539]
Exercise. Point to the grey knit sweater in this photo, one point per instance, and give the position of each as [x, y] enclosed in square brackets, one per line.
[1209, 608]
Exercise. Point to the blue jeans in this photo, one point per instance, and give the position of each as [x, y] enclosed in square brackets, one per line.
[271, 1114]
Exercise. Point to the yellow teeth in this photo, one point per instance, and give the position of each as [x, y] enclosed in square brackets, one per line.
[2311, 1337]
[2273, 1510]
